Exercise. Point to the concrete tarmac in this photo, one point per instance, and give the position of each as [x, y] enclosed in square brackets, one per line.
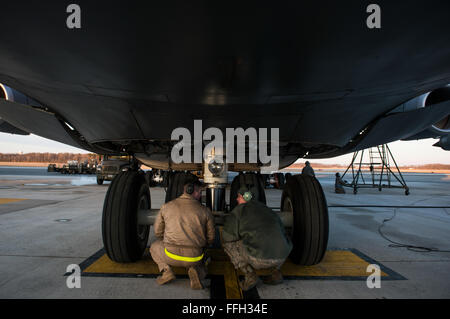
[50, 221]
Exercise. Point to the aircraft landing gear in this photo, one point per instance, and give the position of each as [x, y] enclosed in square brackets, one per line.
[124, 238]
[304, 198]
[127, 213]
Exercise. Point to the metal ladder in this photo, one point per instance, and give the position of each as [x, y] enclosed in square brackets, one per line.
[379, 166]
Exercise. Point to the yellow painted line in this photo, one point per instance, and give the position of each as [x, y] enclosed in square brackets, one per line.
[105, 265]
[146, 266]
[231, 279]
[336, 263]
[10, 200]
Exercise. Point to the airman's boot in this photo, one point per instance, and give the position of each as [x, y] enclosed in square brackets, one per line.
[167, 276]
[274, 279]
[251, 279]
[195, 278]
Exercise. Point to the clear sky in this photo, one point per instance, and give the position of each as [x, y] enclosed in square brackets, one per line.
[405, 152]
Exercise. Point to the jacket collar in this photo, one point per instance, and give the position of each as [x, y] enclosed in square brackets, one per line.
[186, 196]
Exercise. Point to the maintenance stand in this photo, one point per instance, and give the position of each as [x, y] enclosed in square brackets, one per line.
[379, 168]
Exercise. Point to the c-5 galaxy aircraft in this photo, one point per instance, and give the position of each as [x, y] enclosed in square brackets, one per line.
[118, 77]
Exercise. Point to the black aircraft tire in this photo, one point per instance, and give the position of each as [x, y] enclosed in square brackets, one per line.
[287, 176]
[149, 178]
[310, 218]
[170, 186]
[124, 240]
[165, 181]
[261, 189]
[281, 180]
[264, 178]
[253, 180]
[99, 181]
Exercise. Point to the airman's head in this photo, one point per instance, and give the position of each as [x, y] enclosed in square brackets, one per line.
[194, 189]
[245, 195]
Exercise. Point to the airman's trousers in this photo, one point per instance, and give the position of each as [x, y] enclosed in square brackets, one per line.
[240, 257]
[163, 261]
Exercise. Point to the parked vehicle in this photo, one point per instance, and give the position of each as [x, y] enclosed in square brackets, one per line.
[111, 166]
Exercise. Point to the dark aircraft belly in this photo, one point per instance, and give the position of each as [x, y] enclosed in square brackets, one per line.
[313, 69]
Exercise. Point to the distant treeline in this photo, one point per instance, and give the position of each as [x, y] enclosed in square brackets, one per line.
[300, 166]
[46, 157]
[431, 166]
[425, 166]
[64, 157]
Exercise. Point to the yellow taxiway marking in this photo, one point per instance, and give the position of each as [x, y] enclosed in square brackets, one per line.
[231, 279]
[11, 200]
[336, 263]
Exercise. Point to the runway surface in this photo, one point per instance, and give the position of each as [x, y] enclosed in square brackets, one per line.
[49, 221]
